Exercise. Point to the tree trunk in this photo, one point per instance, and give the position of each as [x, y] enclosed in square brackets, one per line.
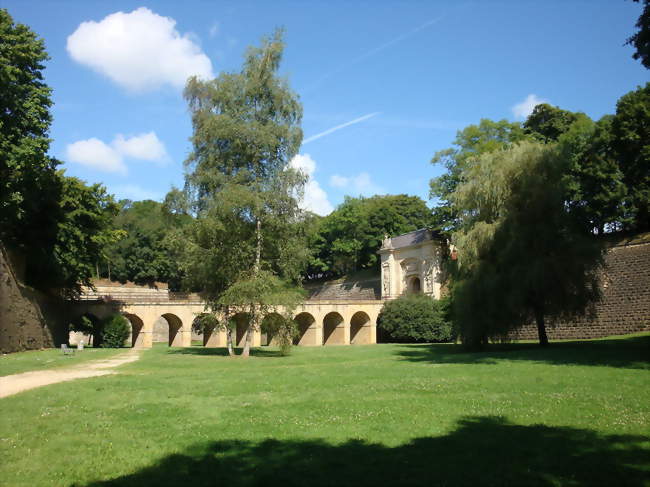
[258, 254]
[231, 351]
[541, 328]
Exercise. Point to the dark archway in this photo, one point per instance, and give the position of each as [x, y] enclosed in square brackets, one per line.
[269, 328]
[333, 329]
[306, 332]
[136, 330]
[206, 327]
[414, 285]
[360, 328]
[240, 321]
[175, 326]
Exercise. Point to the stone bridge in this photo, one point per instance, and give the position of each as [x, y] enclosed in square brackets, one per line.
[157, 315]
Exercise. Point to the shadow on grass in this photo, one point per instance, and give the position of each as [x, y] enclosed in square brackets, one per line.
[632, 353]
[223, 351]
[481, 451]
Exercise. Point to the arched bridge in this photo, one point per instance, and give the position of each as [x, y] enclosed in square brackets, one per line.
[346, 317]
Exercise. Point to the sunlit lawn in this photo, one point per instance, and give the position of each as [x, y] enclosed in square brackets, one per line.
[575, 414]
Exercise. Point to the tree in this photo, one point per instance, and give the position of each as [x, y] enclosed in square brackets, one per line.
[347, 239]
[471, 142]
[246, 129]
[641, 40]
[28, 181]
[631, 140]
[547, 123]
[416, 318]
[524, 254]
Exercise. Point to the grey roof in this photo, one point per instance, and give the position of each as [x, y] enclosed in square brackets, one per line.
[411, 238]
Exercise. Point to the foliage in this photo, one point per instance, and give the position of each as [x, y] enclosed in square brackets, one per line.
[205, 322]
[547, 123]
[115, 331]
[631, 140]
[417, 318]
[281, 329]
[641, 39]
[347, 239]
[241, 188]
[474, 140]
[524, 253]
[143, 256]
[26, 173]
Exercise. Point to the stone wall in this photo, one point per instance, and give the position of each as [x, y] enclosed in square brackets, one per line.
[28, 319]
[625, 307]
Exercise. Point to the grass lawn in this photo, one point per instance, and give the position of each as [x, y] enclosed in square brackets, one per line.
[16, 363]
[577, 413]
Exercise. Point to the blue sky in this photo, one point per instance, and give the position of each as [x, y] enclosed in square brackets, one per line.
[384, 85]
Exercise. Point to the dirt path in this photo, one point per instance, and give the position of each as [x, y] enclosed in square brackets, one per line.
[13, 384]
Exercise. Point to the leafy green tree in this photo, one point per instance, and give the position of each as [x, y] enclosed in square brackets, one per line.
[641, 39]
[470, 143]
[239, 184]
[631, 140]
[547, 123]
[524, 254]
[347, 239]
[594, 180]
[28, 181]
[143, 256]
[115, 331]
[416, 318]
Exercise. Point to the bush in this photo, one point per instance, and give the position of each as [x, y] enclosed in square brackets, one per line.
[416, 318]
[115, 332]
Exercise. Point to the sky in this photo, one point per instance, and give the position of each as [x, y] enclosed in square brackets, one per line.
[384, 84]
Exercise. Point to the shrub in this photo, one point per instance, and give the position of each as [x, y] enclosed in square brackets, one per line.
[115, 332]
[416, 318]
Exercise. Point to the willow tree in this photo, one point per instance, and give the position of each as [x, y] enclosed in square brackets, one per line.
[525, 255]
[246, 129]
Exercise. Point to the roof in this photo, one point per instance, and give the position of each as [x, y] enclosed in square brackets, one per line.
[408, 239]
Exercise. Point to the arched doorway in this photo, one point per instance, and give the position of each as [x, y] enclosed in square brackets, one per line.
[306, 331]
[360, 328]
[136, 330]
[87, 328]
[333, 329]
[269, 328]
[415, 286]
[206, 326]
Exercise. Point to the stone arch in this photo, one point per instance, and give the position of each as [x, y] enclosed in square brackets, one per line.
[306, 334]
[414, 285]
[90, 333]
[240, 323]
[333, 329]
[137, 325]
[174, 328]
[269, 328]
[207, 330]
[360, 328]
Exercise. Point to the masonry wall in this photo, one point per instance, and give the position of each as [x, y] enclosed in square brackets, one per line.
[28, 319]
[625, 307]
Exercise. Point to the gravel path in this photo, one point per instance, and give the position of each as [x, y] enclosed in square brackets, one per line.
[13, 384]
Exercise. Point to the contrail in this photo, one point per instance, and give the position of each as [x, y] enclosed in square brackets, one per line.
[374, 51]
[338, 127]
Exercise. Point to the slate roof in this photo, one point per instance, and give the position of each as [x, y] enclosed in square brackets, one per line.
[412, 238]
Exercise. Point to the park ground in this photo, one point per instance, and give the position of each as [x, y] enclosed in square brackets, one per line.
[577, 413]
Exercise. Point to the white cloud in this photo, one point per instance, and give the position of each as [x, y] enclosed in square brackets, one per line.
[146, 147]
[361, 184]
[523, 109]
[315, 198]
[96, 154]
[135, 193]
[140, 50]
[214, 29]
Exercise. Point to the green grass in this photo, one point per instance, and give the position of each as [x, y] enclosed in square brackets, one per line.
[577, 413]
[16, 363]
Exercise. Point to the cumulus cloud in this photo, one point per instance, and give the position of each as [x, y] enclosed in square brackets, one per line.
[523, 109]
[140, 50]
[361, 184]
[146, 147]
[96, 154]
[315, 198]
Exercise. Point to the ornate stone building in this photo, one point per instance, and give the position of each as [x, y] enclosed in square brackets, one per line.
[411, 263]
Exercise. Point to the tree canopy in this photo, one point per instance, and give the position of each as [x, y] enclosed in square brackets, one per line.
[641, 39]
